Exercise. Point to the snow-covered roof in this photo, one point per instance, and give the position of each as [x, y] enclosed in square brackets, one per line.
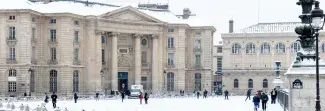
[270, 27]
[96, 10]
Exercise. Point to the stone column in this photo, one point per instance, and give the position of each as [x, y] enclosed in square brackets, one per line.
[114, 79]
[137, 59]
[155, 73]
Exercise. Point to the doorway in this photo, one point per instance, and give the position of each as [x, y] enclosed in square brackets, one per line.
[122, 81]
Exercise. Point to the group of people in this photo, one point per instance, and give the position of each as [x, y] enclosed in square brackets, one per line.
[145, 97]
[262, 97]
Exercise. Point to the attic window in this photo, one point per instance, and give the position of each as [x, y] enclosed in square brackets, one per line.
[170, 30]
[76, 22]
[12, 17]
[53, 21]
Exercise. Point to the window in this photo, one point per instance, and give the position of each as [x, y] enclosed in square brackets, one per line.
[295, 47]
[33, 19]
[170, 30]
[236, 48]
[53, 54]
[12, 86]
[53, 35]
[265, 48]
[144, 57]
[76, 54]
[197, 81]
[12, 33]
[76, 36]
[219, 49]
[323, 47]
[170, 42]
[198, 44]
[103, 39]
[76, 22]
[170, 59]
[12, 73]
[53, 80]
[170, 81]
[12, 53]
[250, 83]
[75, 81]
[198, 60]
[144, 82]
[53, 21]
[32, 81]
[103, 55]
[236, 83]
[219, 65]
[33, 32]
[12, 17]
[280, 48]
[265, 84]
[250, 48]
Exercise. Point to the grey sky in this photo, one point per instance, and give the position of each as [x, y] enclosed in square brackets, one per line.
[243, 12]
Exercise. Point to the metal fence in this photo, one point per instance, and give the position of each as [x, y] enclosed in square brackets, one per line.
[283, 99]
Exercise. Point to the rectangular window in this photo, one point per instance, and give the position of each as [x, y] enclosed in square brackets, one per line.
[33, 19]
[103, 55]
[144, 82]
[170, 42]
[170, 59]
[53, 54]
[33, 54]
[198, 60]
[76, 54]
[12, 86]
[219, 65]
[76, 36]
[53, 21]
[53, 35]
[219, 49]
[76, 22]
[12, 17]
[12, 53]
[170, 30]
[103, 39]
[198, 44]
[144, 57]
[33, 32]
[12, 33]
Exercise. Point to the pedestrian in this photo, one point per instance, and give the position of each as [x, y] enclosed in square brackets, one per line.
[198, 94]
[75, 97]
[13, 106]
[273, 96]
[248, 94]
[46, 98]
[54, 97]
[21, 107]
[123, 95]
[146, 97]
[97, 96]
[141, 97]
[264, 99]
[226, 95]
[256, 101]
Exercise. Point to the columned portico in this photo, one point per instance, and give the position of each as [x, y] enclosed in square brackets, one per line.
[155, 82]
[137, 59]
[114, 65]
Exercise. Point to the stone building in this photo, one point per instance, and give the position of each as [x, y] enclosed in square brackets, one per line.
[67, 47]
[249, 55]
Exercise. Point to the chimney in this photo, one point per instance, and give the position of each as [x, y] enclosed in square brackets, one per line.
[231, 26]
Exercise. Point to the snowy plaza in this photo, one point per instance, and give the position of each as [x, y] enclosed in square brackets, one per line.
[235, 103]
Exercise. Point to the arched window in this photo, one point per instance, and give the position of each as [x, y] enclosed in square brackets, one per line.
[170, 81]
[250, 48]
[236, 83]
[197, 81]
[12, 73]
[250, 83]
[323, 47]
[280, 48]
[75, 81]
[236, 48]
[265, 83]
[32, 81]
[265, 48]
[53, 80]
[295, 47]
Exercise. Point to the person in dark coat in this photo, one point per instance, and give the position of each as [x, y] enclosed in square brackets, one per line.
[146, 97]
[248, 94]
[75, 97]
[256, 101]
[54, 97]
[123, 95]
[264, 99]
[46, 98]
[97, 96]
[226, 94]
[198, 94]
[273, 96]
[205, 93]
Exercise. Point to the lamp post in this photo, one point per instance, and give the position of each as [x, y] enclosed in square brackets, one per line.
[30, 71]
[308, 34]
[277, 81]
[165, 80]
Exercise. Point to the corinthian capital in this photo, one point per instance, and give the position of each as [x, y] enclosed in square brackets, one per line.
[115, 34]
[137, 35]
[154, 36]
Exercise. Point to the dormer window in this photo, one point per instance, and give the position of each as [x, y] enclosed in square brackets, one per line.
[12, 17]
[53, 21]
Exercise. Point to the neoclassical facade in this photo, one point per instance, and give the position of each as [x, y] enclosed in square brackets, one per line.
[249, 55]
[68, 52]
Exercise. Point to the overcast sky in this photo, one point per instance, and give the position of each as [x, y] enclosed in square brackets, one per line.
[244, 12]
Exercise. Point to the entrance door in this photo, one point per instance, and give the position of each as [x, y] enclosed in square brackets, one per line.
[122, 81]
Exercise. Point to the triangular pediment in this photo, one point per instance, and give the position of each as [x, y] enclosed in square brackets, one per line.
[130, 14]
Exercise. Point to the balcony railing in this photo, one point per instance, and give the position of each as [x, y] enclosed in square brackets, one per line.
[76, 42]
[197, 50]
[53, 62]
[170, 66]
[11, 41]
[198, 66]
[76, 62]
[53, 41]
[11, 61]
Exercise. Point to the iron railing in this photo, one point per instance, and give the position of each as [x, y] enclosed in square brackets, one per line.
[283, 99]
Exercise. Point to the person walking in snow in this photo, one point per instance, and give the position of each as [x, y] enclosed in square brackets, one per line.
[54, 97]
[248, 94]
[226, 95]
[264, 99]
[141, 97]
[273, 96]
[46, 98]
[198, 94]
[205, 93]
[146, 97]
[97, 96]
[75, 97]
[123, 95]
[21, 107]
[256, 101]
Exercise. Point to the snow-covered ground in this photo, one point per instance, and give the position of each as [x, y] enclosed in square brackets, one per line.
[235, 103]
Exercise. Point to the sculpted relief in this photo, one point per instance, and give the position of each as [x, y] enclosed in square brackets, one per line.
[123, 62]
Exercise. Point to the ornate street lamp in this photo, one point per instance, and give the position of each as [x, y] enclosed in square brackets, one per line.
[277, 81]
